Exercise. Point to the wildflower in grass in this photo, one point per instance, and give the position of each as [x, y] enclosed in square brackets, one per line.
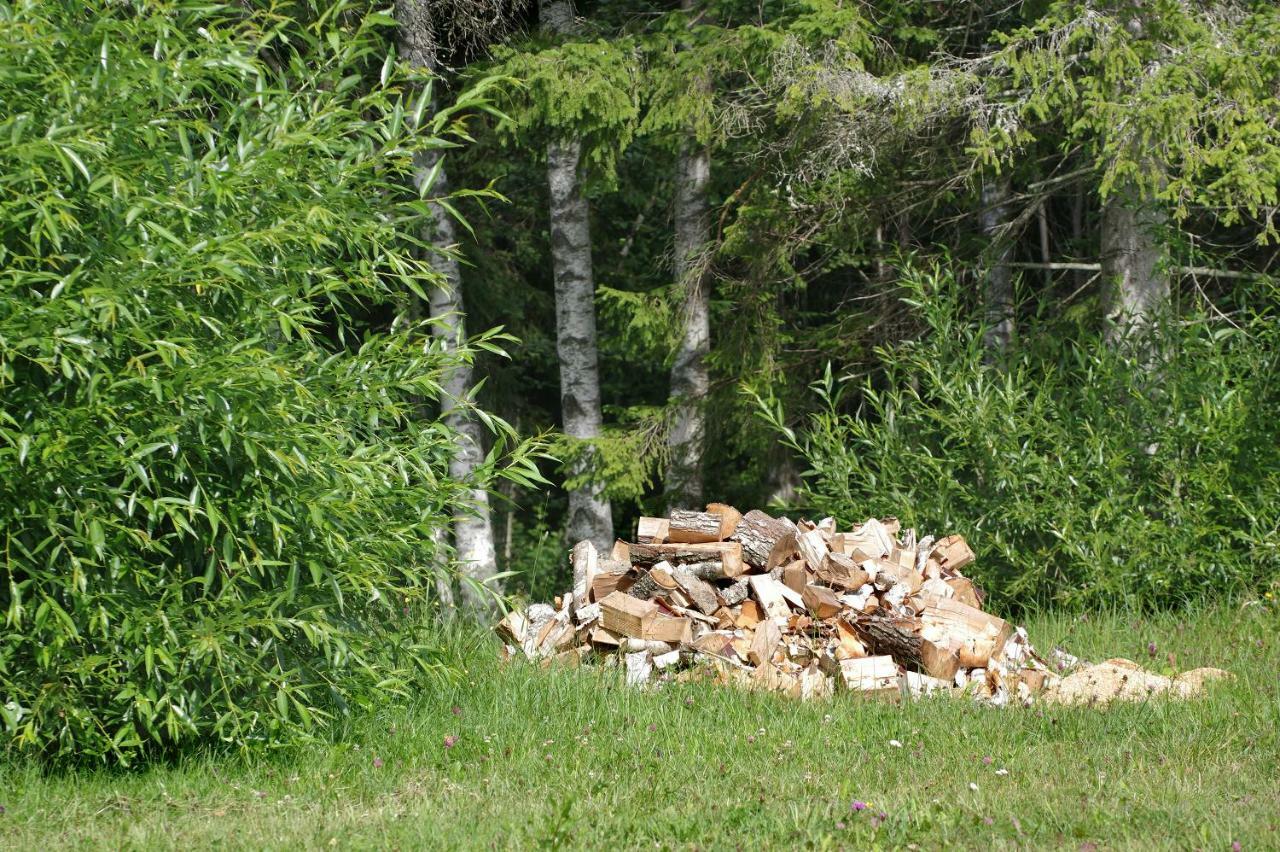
[1151, 649]
[450, 740]
[1235, 844]
[1002, 771]
[840, 826]
[455, 710]
[973, 786]
[377, 763]
[858, 806]
[895, 743]
[986, 761]
[988, 821]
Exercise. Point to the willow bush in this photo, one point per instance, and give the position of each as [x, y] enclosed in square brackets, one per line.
[1084, 474]
[218, 486]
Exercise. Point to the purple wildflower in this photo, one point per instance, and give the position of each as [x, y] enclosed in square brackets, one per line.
[377, 763]
[859, 806]
[450, 741]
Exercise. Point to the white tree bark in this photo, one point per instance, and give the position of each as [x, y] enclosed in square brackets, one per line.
[590, 515]
[472, 526]
[1136, 286]
[998, 284]
[689, 377]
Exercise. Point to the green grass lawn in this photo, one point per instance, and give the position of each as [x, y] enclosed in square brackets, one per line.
[551, 758]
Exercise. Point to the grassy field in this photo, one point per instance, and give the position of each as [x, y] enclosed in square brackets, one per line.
[519, 757]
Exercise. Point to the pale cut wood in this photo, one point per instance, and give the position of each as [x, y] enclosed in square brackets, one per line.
[768, 592]
[851, 645]
[767, 636]
[791, 597]
[953, 552]
[813, 548]
[889, 574]
[902, 639]
[749, 614]
[604, 637]
[870, 675]
[978, 634]
[603, 584]
[688, 527]
[840, 571]
[727, 553]
[795, 576]
[766, 541]
[904, 558]
[666, 628]
[652, 530]
[965, 591]
[871, 538]
[513, 626]
[821, 601]
[729, 518]
[621, 552]
[585, 566]
[702, 593]
[627, 615]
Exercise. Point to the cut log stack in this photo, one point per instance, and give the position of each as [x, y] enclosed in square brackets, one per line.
[800, 608]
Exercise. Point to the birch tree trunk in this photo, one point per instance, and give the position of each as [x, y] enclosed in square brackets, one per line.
[998, 285]
[590, 515]
[1136, 288]
[689, 378]
[472, 525]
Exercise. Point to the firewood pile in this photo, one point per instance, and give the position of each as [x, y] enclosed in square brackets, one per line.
[799, 608]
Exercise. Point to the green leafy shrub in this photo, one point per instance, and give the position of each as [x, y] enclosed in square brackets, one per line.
[217, 488]
[1081, 475]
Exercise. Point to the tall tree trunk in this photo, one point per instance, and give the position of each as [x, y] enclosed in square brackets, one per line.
[1136, 288]
[472, 525]
[998, 284]
[689, 378]
[590, 515]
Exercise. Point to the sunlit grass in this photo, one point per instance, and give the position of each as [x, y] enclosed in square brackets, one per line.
[574, 758]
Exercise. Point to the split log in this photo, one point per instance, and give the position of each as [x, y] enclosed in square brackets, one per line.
[702, 593]
[652, 530]
[890, 574]
[620, 551]
[901, 638]
[700, 527]
[851, 645]
[979, 635]
[766, 542]
[604, 583]
[872, 538]
[768, 592]
[639, 619]
[604, 638]
[795, 576]
[840, 571]
[736, 593]
[729, 518]
[767, 636]
[813, 548]
[727, 554]
[952, 552]
[821, 601]
[874, 675]
[965, 591]
[693, 527]
[585, 565]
